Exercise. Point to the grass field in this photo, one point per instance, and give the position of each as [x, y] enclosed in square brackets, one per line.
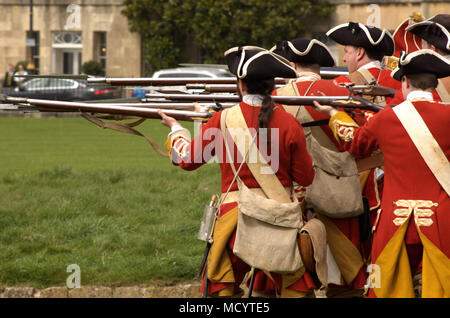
[72, 193]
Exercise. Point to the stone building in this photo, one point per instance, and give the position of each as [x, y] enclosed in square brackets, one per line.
[67, 33]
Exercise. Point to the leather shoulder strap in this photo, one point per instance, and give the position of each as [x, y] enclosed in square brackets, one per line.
[425, 143]
[289, 90]
[368, 77]
[258, 166]
[364, 77]
[302, 114]
[357, 78]
[443, 89]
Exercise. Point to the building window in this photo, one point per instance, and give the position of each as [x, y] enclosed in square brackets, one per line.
[100, 49]
[64, 38]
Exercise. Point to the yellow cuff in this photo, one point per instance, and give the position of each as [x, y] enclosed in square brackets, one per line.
[184, 133]
[340, 119]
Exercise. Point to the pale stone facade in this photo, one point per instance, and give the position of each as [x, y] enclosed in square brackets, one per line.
[71, 32]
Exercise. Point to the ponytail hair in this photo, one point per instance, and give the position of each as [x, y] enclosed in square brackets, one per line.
[265, 88]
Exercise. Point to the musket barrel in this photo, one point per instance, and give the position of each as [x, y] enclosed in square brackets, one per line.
[162, 81]
[166, 81]
[195, 97]
[187, 80]
[115, 109]
[332, 74]
[219, 88]
[163, 105]
[337, 101]
[286, 100]
[372, 90]
[214, 88]
[181, 105]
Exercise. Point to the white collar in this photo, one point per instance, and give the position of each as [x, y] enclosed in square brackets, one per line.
[420, 95]
[376, 64]
[253, 99]
[447, 57]
[307, 76]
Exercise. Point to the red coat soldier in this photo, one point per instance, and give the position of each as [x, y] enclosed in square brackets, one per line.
[365, 47]
[435, 35]
[306, 57]
[346, 257]
[255, 69]
[411, 232]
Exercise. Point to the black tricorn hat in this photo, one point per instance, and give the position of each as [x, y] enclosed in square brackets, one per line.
[360, 35]
[435, 30]
[421, 61]
[305, 51]
[252, 62]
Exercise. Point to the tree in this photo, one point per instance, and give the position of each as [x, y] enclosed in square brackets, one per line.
[92, 68]
[220, 25]
[215, 26]
[163, 26]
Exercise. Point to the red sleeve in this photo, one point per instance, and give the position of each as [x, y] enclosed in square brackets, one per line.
[202, 148]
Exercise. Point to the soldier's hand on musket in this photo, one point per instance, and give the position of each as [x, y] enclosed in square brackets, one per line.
[326, 109]
[167, 120]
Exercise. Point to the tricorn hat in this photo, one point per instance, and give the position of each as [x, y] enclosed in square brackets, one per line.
[435, 30]
[421, 61]
[360, 35]
[305, 51]
[252, 62]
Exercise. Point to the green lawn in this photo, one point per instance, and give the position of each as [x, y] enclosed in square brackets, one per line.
[72, 193]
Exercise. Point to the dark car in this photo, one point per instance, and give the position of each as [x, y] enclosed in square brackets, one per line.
[64, 89]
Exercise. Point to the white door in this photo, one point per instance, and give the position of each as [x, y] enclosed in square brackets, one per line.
[66, 61]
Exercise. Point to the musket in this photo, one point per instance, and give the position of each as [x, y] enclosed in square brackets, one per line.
[324, 73]
[112, 109]
[218, 88]
[194, 97]
[332, 74]
[335, 101]
[213, 88]
[370, 90]
[161, 81]
[153, 81]
[183, 80]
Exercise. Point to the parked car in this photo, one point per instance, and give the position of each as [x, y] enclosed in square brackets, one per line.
[193, 71]
[199, 70]
[64, 89]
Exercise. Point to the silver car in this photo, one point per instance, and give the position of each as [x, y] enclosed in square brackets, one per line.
[200, 70]
[185, 71]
